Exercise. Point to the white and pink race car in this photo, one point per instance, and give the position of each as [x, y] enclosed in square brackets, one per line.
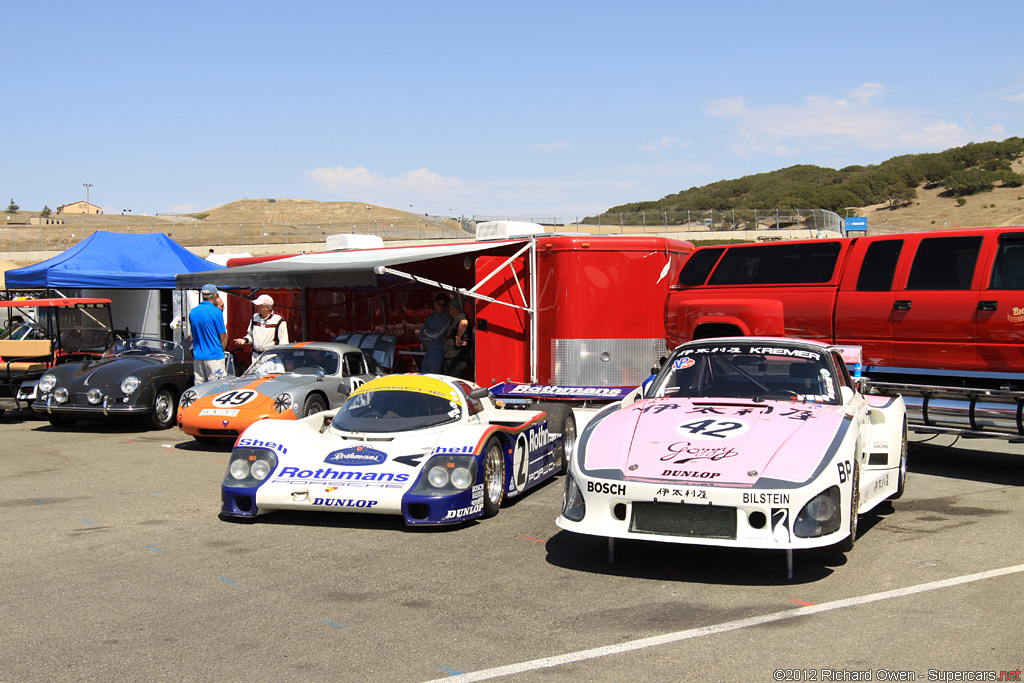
[744, 442]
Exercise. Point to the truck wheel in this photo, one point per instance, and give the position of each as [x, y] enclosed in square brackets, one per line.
[494, 477]
[165, 408]
[846, 545]
[561, 421]
[901, 477]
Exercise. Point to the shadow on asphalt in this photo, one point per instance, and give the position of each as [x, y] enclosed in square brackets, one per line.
[982, 460]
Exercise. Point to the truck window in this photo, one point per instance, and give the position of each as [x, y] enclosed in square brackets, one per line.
[772, 264]
[698, 266]
[1008, 271]
[944, 263]
[879, 267]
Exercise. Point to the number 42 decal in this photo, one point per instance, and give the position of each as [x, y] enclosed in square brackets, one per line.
[710, 429]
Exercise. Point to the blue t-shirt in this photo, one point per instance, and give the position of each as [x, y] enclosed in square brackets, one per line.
[207, 323]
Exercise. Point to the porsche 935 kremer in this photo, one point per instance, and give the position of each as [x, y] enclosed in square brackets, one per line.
[285, 382]
[743, 442]
[431, 448]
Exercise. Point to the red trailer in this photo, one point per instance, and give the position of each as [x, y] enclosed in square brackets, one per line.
[545, 309]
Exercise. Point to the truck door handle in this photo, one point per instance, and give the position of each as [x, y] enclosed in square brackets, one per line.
[902, 305]
[988, 305]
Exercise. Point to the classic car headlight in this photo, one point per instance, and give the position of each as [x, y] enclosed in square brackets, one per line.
[283, 402]
[188, 398]
[249, 466]
[573, 506]
[94, 396]
[820, 516]
[60, 395]
[129, 384]
[447, 474]
[46, 383]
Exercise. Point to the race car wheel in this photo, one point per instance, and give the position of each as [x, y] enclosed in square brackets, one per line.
[494, 477]
[314, 404]
[901, 476]
[165, 408]
[60, 421]
[846, 545]
[561, 421]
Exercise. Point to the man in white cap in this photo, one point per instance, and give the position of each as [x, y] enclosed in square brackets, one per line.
[266, 328]
[208, 336]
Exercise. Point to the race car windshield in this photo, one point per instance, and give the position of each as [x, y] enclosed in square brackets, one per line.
[391, 410]
[751, 372]
[143, 347]
[301, 361]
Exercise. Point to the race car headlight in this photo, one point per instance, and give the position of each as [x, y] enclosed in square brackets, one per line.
[129, 384]
[188, 398]
[94, 396]
[249, 467]
[820, 516]
[46, 383]
[283, 402]
[60, 395]
[573, 505]
[447, 474]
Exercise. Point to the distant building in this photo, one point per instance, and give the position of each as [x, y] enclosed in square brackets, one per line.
[80, 207]
[39, 220]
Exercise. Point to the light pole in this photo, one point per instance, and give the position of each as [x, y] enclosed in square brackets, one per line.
[87, 186]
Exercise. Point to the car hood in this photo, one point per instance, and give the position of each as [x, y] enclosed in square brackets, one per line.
[268, 385]
[105, 371]
[730, 442]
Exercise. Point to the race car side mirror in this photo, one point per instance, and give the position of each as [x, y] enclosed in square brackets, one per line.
[482, 392]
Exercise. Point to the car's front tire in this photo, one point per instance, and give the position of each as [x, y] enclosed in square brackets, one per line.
[901, 476]
[314, 404]
[494, 477]
[165, 409]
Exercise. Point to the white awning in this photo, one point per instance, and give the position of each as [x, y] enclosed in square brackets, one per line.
[332, 269]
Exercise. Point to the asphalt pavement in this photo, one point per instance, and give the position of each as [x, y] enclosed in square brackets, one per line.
[114, 566]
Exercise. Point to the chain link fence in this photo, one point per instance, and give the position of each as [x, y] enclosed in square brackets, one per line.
[199, 234]
[710, 220]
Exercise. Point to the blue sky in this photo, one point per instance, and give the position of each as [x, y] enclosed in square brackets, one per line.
[525, 109]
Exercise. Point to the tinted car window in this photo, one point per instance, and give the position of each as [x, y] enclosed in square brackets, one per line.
[1008, 270]
[698, 266]
[771, 264]
[879, 267]
[944, 263]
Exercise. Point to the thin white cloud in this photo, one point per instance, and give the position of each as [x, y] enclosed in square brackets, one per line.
[1018, 97]
[820, 122]
[341, 180]
[664, 143]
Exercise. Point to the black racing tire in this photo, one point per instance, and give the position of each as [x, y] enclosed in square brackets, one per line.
[165, 409]
[494, 477]
[61, 421]
[561, 421]
[901, 476]
[313, 405]
[846, 545]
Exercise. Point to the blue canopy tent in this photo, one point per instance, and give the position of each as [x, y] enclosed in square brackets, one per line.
[137, 272]
[112, 260]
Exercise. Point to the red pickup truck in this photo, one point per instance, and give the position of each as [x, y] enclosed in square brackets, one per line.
[939, 315]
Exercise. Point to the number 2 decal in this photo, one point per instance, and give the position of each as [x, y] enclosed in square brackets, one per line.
[236, 397]
[709, 429]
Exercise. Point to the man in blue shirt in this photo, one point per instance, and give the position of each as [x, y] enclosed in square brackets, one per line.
[209, 336]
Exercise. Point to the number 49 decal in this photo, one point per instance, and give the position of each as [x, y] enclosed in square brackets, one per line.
[235, 397]
[710, 429]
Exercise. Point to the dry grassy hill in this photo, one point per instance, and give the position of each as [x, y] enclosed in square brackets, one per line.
[1001, 206]
[307, 211]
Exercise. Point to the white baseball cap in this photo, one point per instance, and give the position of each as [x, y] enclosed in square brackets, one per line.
[263, 300]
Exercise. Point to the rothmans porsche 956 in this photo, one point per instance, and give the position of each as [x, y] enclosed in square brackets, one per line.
[285, 382]
[430, 448]
[744, 442]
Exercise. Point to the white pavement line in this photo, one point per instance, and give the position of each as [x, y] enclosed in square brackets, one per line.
[678, 636]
